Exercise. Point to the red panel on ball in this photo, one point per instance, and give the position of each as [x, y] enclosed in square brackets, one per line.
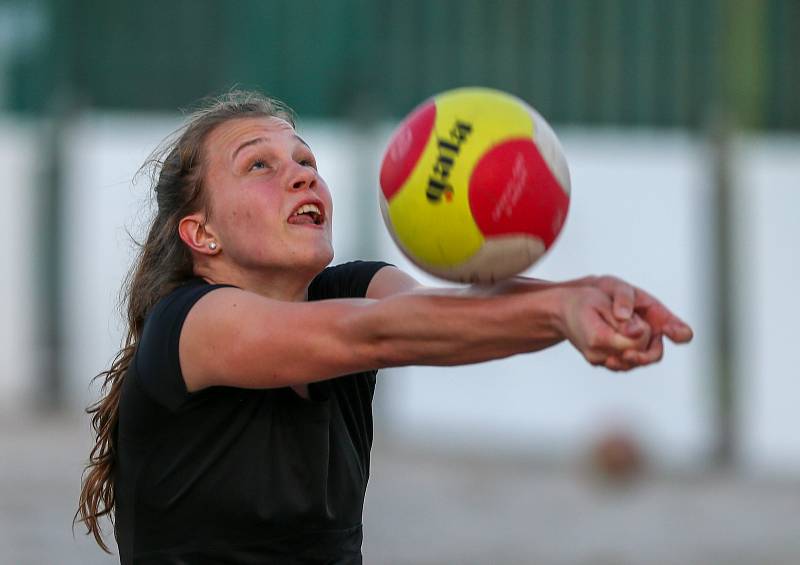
[405, 147]
[512, 190]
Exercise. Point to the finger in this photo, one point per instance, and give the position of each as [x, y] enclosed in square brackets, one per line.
[614, 363]
[595, 358]
[679, 331]
[661, 319]
[653, 354]
[609, 340]
[604, 334]
[665, 322]
[608, 317]
[655, 310]
[624, 296]
[636, 328]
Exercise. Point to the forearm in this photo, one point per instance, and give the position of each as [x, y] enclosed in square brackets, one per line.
[520, 284]
[454, 327]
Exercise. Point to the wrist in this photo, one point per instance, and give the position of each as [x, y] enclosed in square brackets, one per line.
[557, 309]
[589, 280]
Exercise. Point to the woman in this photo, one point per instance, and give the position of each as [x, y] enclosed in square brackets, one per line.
[236, 424]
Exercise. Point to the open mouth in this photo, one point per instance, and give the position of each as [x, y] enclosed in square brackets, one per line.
[308, 213]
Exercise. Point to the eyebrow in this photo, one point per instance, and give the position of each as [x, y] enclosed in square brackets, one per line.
[257, 140]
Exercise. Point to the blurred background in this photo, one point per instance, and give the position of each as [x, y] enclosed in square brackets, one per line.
[680, 122]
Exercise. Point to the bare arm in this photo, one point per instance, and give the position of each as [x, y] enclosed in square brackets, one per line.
[458, 326]
[634, 313]
[390, 281]
[237, 338]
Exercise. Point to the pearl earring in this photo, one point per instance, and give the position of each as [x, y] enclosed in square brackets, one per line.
[212, 246]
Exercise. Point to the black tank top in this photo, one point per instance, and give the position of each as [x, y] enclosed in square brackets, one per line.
[239, 476]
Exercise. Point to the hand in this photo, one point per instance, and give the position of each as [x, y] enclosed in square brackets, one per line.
[590, 325]
[634, 313]
[629, 303]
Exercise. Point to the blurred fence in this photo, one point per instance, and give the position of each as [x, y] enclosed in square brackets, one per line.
[640, 209]
[639, 63]
[642, 62]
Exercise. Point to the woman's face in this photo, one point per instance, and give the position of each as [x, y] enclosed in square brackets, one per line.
[270, 208]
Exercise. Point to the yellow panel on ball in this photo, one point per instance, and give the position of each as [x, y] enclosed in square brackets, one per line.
[430, 213]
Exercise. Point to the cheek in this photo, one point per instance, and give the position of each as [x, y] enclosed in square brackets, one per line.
[325, 194]
[250, 212]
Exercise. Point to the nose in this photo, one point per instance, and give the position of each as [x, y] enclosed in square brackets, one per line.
[303, 177]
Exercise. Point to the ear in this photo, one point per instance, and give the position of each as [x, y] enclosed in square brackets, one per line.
[198, 235]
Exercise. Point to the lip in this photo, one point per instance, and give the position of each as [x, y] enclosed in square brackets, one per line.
[315, 201]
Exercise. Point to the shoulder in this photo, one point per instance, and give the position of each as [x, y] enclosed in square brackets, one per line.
[173, 307]
[361, 279]
[347, 280]
[156, 360]
[390, 281]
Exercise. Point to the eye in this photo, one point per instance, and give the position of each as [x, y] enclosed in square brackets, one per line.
[308, 163]
[257, 164]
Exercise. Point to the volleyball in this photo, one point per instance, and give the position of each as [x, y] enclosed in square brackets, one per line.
[474, 185]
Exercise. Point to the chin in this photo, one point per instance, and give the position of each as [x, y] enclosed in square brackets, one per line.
[328, 257]
[321, 258]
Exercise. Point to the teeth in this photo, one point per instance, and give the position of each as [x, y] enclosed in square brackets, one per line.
[307, 208]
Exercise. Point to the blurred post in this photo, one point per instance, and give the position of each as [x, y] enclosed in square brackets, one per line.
[363, 110]
[725, 413]
[737, 104]
[58, 113]
[51, 386]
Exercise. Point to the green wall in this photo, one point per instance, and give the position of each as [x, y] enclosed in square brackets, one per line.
[627, 62]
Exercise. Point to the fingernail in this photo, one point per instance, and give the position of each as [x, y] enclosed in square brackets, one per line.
[624, 312]
[633, 328]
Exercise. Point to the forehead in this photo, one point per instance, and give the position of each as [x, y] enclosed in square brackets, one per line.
[227, 136]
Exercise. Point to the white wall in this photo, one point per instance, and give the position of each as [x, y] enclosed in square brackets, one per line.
[639, 210]
[18, 245]
[768, 233]
[104, 154]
